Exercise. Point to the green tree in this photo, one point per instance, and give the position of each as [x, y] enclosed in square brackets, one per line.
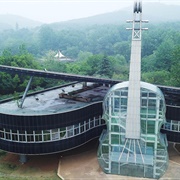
[123, 48]
[148, 63]
[152, 39]
[105, 67]
[157, 77]
[47, 38]
[164, 55]
[119, 64]
[175, 68]
[72, 52]
[84, 55]
[11, 83]
[23, 49]
[93, 63]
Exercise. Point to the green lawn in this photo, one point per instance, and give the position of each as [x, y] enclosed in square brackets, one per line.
[12, 171]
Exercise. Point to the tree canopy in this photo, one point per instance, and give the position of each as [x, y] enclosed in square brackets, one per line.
[98, 50]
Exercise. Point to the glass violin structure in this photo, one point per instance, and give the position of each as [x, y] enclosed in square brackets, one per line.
[134, 112]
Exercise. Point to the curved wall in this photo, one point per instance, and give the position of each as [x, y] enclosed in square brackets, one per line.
[173, 113]
[62, 120]
[172, 127]
[79, 126]
[172, 136]
[52, 121]
[51, 147]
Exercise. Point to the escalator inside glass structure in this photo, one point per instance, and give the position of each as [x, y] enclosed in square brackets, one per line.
[144, 157]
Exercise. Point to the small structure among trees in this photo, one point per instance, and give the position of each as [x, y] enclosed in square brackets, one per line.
[59, 56]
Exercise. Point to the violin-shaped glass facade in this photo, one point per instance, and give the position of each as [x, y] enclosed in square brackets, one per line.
[143, 157]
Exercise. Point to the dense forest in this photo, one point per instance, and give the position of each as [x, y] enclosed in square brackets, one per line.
[97, 50]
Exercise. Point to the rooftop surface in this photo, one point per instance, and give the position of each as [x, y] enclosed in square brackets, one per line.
[49, 102]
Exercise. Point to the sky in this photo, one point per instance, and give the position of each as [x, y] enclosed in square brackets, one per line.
[49, 11]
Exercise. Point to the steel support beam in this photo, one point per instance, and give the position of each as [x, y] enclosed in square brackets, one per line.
[25, 93]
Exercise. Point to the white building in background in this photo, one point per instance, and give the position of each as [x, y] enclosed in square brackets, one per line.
[59, 56]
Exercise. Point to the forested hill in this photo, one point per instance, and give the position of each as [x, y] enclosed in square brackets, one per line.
[9, 21]
[100, 49]
[154, 12]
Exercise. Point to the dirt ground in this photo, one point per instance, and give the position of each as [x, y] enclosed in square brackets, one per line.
[78, 164]
[85, 166]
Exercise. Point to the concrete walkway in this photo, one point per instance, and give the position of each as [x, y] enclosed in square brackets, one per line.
[84, 166]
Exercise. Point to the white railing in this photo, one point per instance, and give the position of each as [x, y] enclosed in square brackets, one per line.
[172, 126]
[51, 134]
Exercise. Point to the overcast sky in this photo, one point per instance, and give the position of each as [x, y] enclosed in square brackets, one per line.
[48, 11]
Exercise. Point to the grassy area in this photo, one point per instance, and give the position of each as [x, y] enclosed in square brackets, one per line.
[28, 178]
[16, 171]
[2, 153]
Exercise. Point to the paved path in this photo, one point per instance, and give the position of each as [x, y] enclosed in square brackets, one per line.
[84, 166]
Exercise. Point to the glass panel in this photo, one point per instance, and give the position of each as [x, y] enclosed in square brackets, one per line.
[96, 122]
[114, 128]
[144, 102]
[152, 104]
[87, 125]
[82, 128]
[143, 126]
[8, 136]
[22, 137]
[150, 144]
[116, 104]
[152, 94]
[1, 135]
[47, 137]
[124, 93]
[114, 139]
[105, 149]
[151, 127]
[175, 125]
[123, 101]
[91, 124]
[117, 93]
[38, 137]
[151, 138]
[76, 129]
[143, 110]
[30, 138]
[55, 135]
[161, 105]
[107, 106]
[144, 94]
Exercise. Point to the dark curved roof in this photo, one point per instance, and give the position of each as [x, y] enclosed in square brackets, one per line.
[172, 94]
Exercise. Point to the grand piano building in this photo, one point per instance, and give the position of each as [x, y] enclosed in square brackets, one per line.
[48, 123]
[66, 117]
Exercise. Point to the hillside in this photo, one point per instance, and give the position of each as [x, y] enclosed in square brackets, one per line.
[154, 12]
[157, 12]
[9, 21]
